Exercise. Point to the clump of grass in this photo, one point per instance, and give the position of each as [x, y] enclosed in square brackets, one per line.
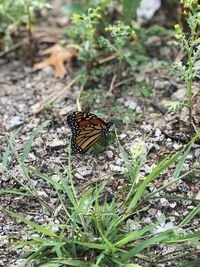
[93, 229]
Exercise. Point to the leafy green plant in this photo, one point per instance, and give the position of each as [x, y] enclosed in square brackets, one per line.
[191, 45]
[93, 230]
[175, 106]
[129, 9]
[81, 7]
[14, 14]
[84, 29]
[120, 34]
[144, 89]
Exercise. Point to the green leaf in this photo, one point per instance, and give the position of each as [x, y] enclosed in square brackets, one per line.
[194, 263]
[183, 238]
[45, 177]
[7, 151]
[184, 156]
[163, 165]
[134, 235]
[125, 256]
[66, 262]
[129, 9]
[33, 225]
[30, 141]
[14, 192]
[70, 9]
[190, 216]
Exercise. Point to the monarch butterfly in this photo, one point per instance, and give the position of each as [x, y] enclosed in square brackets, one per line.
[86, 128]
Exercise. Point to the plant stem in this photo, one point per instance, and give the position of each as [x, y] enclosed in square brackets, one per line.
[29, 32]
[190, 72]
[189, 86]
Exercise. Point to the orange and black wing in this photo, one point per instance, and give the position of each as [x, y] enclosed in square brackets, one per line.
[86, 128]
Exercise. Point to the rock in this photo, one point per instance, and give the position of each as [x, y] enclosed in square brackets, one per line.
[178, 95]
[147, 128]
[186, 167]
[147, 9]
[29, 86]
[27, 69]
[197, 153]
[78, 176]
[183, 187]
[152, 211]
[122, 136]
[158, 132]
[173, 205]
[169, 143]
[115, 168]
[110, 154]
[138, 110]
[119, 162]
[164, 202]
[130, 104]
[84, 171]
[55, 177]
[14, 122]
[158, 85]
[177, 146]
[57, 143]
[48, 70]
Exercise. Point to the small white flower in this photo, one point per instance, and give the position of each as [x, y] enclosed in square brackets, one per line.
[163, 227]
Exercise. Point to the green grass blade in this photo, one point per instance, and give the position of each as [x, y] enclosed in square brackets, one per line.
[182, 160]
[66, 262]
[190, 216]
[13, 192]
[163, 165]
[129, 9]
[134, 235]
[28, 144]
[7, 151]
[93, 245]
[33, 225]
[184, 238]
[84, 198]
[194, 263]
[45, 177]
[125, 256]
[68, 191]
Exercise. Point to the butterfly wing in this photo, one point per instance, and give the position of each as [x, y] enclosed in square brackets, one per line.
[86, 129]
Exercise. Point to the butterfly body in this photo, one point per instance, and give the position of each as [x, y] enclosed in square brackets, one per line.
[86, 128]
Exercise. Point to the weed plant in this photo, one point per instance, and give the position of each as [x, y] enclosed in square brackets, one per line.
[93, 230]
[120, 34]
[190, 70]
[14, 14]
[85, 30]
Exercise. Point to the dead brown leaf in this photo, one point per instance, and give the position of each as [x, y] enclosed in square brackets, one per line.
[57, 56]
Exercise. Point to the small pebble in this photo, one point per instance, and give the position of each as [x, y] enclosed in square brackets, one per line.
[177, 146]
[84, 171]
[110, 154]
[147, 128]
[56, 143]
[14, 122]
